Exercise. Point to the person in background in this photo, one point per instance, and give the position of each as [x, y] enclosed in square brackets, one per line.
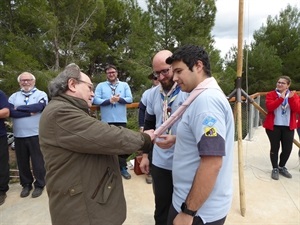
[4, 155]
[162, 101]
[204, 144]
[141, 117]
[84, 183]
[112, 96]
[26, 106]
[280, 123]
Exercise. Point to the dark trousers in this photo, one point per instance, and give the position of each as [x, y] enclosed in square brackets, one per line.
[284, 136]
[163, 190]
[4, 165]
[122, 158]
[197, 220]
[26, 149]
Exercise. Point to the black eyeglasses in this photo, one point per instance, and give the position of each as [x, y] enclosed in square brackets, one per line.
[162, 72]
[90, 86]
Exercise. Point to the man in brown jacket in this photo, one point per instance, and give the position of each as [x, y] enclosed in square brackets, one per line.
[83, 179]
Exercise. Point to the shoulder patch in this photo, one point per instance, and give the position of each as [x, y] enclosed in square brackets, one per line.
[210, 132]
[209, 121]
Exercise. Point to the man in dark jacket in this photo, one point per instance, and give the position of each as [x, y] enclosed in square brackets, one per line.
[4, 155]
[84, 183]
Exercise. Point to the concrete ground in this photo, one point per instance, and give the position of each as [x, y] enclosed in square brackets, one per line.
[268, 202]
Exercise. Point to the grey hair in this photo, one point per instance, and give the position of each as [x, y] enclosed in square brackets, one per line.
[59, 84]
[19, 77]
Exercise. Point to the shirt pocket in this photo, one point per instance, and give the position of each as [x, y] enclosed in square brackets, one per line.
[105, 187]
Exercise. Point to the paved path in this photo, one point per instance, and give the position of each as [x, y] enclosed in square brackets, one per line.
[268, 202]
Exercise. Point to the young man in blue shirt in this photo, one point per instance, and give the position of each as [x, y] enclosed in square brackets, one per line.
[204, 145]
[112, 96]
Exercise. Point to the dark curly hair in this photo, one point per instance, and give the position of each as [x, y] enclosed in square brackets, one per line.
[190, 54]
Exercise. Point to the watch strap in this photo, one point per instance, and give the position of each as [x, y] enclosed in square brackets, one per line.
[185, 210]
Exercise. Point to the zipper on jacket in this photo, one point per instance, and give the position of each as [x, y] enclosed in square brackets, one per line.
[107, 172]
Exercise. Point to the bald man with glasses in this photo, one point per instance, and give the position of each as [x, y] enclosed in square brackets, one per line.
[162, 101]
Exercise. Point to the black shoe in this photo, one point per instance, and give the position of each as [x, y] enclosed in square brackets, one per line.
[125, 174]
[284, 172]
[25, 191]
[275, 175]
[2, 198]
[37, 192]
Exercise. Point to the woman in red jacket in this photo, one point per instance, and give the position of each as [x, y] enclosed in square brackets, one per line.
[280, 123]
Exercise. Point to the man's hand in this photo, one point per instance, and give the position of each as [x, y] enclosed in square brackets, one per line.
[144, 165]
[165, 141]
[114, 99]
[150, 133]
[183, 219]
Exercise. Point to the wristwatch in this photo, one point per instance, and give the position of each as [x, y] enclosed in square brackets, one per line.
[185, 210]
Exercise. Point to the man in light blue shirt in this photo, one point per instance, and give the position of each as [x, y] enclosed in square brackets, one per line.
[162, 101]
[26, 107]
[204, 146]
[112, 96]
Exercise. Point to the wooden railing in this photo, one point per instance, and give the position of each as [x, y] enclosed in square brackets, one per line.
[133, 105]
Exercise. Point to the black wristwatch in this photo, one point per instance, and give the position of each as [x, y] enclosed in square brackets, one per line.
[185, 210]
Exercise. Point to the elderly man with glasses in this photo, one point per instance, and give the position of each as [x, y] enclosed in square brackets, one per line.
[26, 107]
[84, 184]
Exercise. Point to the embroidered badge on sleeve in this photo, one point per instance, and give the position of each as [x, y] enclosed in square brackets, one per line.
[209, 121]
[210, 132]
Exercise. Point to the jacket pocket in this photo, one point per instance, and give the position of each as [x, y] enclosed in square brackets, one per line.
[105, 187]
[74, 190]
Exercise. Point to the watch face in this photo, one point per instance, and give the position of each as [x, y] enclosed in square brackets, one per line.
[185, 210]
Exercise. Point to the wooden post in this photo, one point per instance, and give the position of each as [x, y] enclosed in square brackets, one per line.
[239, 108]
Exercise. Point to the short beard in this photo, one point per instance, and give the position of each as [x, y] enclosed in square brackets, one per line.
[168, 85]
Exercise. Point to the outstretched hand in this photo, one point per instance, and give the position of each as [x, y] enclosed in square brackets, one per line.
[150, 133]
[165, 141]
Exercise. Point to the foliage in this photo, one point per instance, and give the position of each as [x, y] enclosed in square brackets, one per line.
[274, 52]
[42, 36]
